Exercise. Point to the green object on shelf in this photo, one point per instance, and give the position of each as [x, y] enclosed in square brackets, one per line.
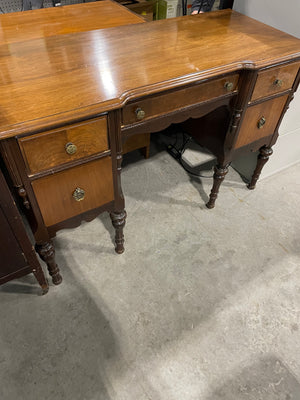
[167, 9]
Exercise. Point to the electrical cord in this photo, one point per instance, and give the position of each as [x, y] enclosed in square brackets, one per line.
[178, 153]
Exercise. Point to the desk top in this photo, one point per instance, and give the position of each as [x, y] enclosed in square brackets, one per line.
[59, 79]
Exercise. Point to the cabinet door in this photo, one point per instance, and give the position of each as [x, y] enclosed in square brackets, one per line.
[17, 256]
[11, 255]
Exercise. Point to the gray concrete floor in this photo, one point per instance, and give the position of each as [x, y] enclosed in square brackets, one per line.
[203, 305]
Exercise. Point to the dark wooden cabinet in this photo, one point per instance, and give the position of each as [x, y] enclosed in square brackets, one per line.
[17, 254]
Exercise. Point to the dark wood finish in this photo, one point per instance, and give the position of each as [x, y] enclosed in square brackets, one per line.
[47, 253]
[17, 255]
[219, 175]
[173, 70]
[118, 220]
[263, 157]
[47, 150]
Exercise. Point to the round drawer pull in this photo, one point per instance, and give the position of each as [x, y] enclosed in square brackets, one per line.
[228, 86]
[277, 82]
[71, 148]
[261, 122]
[78, 194]
[140, 114]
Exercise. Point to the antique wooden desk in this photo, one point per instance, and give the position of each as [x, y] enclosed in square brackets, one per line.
[68, 102]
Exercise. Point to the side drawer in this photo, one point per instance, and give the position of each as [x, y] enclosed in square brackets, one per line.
[46, 150]
[275, 80]
[155, 106]
[56, 193]
[260, 121]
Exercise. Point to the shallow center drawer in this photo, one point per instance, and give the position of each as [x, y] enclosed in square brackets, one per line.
[46, 150]
[155, 106]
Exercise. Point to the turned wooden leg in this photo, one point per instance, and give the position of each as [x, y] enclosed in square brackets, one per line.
[118, 220]
[47, 253]
[264, 154]
[219, 175]
[40, 277]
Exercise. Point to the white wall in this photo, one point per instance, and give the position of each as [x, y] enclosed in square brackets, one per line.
[283, 15]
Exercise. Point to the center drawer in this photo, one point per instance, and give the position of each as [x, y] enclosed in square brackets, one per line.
[156, 106]
[73, 191]
[46, 150]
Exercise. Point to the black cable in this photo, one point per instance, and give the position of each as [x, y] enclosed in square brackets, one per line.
[178, 153]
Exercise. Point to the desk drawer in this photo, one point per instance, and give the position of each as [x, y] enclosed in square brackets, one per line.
[166, 103]
[260, 121]
[48, 149]
[56, 193]
[275, 80]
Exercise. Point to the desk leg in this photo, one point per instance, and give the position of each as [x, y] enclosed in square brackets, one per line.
[219, 175]
[264, 154]
[118, 220]
[40, 277]
[47, 253]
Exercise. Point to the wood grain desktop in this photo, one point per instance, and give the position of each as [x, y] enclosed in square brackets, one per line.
[131, 80]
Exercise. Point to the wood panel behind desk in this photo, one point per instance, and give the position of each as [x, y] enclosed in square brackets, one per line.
[52, 21]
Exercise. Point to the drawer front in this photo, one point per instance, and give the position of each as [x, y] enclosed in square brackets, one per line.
[275, 80]
[166, 103]
[260, 121]
[56, 194]
[49, 149]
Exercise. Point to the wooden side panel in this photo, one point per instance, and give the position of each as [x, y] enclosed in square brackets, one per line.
[47, 150]
[270, 110]
[54, 193]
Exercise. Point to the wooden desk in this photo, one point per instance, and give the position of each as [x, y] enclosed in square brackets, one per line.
[69, 101]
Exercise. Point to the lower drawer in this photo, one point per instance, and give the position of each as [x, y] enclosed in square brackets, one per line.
[74, 191]
[260, 121]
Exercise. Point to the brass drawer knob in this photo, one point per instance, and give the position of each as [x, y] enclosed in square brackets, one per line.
[261, 122]
[140, 114]
[277, 82]
[228, 86]
[71, 148]
[78, 194]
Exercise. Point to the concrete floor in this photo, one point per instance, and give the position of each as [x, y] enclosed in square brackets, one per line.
[203, 305]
